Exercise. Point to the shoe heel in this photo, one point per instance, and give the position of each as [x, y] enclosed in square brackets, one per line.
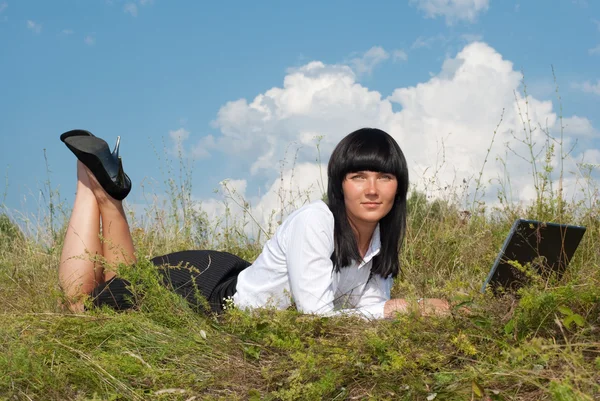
[115, 151]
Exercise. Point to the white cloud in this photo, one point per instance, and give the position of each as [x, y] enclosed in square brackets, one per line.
[235, 186]
[34, 27]
[198, 151]
[369, 60]
[318, 98]
[452, 10]
[591, 156]
[67, 32]
[588, 87]
[399, 55]
[594, 50]
[202, 148]
[576, 126]
[293, 188]
[179, 135]
[444, 126]
[89, 40]
[131, 8]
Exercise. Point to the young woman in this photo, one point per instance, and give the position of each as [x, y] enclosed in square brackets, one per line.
[328, 258]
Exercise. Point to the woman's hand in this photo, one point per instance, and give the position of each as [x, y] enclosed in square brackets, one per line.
[434, 307]
[423, 307]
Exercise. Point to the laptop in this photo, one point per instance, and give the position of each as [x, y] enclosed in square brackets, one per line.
[547, 246]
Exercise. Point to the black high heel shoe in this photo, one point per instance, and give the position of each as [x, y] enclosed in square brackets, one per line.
[106, 166]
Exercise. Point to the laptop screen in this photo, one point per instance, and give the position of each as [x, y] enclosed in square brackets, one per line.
[548, 247]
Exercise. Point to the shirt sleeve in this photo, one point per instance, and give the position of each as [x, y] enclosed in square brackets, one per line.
[377, 293]
[372, 303]
[310, 269]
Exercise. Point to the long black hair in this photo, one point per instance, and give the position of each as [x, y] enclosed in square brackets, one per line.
[368, 149]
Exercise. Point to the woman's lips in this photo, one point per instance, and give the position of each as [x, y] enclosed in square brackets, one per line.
[371, 205]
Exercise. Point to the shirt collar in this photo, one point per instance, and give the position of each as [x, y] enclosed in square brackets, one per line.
[374, 247]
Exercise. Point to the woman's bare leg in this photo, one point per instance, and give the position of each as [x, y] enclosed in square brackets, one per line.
[117, 243]
[80, 269]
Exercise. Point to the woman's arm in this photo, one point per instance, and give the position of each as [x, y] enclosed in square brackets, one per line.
[308, 259]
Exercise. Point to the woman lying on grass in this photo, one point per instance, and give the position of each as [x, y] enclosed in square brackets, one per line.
[326, 259]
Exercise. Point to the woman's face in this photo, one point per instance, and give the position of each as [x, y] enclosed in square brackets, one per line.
[369, 195]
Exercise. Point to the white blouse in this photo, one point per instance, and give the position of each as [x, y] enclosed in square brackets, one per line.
[295, 266]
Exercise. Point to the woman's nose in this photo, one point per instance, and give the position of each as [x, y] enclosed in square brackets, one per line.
[371, 188]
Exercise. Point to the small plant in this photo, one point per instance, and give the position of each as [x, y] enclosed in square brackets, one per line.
[570, 317]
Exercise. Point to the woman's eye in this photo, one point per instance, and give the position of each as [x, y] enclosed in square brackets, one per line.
[357, 177]
[387, 177]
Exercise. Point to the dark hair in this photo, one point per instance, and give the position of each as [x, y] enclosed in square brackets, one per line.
[368, 149]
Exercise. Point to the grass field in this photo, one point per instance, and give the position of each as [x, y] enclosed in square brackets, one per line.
[543, 344]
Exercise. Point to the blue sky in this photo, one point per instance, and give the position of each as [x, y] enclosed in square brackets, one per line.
[235, 84]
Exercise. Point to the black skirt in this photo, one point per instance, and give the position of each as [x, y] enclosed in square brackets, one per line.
[210, 274]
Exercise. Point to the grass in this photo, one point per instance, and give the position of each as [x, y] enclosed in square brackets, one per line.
[540, 345]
